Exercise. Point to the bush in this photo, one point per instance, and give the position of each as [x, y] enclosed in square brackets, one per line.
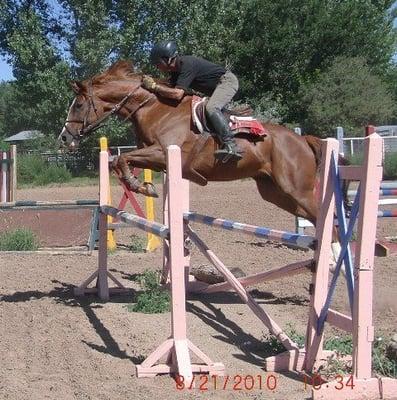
[4, 146]
[53, 174]
[348, 94]
[33, 170]
[390, 166]
[20, 239]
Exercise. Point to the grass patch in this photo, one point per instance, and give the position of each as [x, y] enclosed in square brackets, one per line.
[154, 299]
[19, 239]
[138, 244]
[271, 344]
[382, 364]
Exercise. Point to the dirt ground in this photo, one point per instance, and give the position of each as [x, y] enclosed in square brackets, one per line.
[56, 346]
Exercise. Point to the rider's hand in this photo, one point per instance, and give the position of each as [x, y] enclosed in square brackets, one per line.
[148, 82]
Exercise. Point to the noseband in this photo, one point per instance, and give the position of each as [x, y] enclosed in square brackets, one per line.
[98, 123]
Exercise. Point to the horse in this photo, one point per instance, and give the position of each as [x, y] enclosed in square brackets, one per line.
[284, 165]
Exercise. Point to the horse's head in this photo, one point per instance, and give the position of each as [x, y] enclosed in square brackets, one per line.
[83, 111]
[96, 99]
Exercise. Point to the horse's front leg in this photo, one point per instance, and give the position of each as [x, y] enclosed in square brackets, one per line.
[152, 157]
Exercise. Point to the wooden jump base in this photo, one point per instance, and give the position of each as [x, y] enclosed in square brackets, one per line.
[359, 282]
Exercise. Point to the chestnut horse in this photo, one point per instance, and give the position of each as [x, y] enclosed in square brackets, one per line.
[283, 164]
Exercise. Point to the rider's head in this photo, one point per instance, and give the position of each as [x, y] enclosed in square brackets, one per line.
[163, 55]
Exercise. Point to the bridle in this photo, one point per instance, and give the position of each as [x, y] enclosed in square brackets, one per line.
[99, 122]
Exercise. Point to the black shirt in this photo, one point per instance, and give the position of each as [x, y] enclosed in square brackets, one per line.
[196, 73]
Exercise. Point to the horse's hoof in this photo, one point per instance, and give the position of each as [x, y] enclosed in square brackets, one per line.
[149, 190]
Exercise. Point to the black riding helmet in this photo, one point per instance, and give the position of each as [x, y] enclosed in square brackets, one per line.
[162, 52]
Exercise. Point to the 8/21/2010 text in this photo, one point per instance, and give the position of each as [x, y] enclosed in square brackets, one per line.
[228, 382]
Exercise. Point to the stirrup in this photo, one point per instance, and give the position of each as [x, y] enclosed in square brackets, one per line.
[228, 153]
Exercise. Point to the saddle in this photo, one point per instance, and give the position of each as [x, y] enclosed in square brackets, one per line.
[240, 119]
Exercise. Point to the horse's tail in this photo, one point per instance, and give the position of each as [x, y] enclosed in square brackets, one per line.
[345, 184]
[315, 144]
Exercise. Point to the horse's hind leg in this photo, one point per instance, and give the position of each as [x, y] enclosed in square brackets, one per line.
[151, 157]
[271, 192]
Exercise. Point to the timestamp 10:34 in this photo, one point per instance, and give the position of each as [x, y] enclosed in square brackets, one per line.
[338, 382]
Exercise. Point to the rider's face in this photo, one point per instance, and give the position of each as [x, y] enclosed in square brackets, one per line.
[163, 67]
[167, 67]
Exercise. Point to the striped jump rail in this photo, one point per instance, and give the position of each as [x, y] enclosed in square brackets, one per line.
[48, 205]
[148, 226]
[388, 192]
[38, 203]
[389, 185]
[382, 192]
[386, 189]
[387, 213]
[288, 238]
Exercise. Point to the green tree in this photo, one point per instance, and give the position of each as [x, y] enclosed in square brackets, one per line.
[40, 93]
[91, 35]
[278, 49]
[4, 89]
[347, 94]
[283, 44]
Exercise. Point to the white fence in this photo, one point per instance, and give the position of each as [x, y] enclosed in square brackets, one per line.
[355, 145]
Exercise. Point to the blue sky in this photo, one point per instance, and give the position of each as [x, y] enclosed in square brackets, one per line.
[5, 71]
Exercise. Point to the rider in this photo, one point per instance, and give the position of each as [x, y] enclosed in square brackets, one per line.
[190, 72]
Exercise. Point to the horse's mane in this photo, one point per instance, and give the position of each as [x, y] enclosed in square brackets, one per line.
[121, 69]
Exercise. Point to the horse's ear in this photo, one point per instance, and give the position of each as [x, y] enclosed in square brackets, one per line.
[77, 86]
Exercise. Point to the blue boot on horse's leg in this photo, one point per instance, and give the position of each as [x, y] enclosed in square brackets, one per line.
[229, 150]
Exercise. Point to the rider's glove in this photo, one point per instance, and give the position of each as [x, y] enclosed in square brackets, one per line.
[148, 83]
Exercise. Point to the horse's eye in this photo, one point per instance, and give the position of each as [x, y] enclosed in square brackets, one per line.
[79, 105]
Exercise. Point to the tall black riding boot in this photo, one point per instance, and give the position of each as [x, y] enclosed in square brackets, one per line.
[229, 150]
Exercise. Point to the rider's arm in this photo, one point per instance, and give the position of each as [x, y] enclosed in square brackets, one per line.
[162, 90]
[180, 83]
[170, 93]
